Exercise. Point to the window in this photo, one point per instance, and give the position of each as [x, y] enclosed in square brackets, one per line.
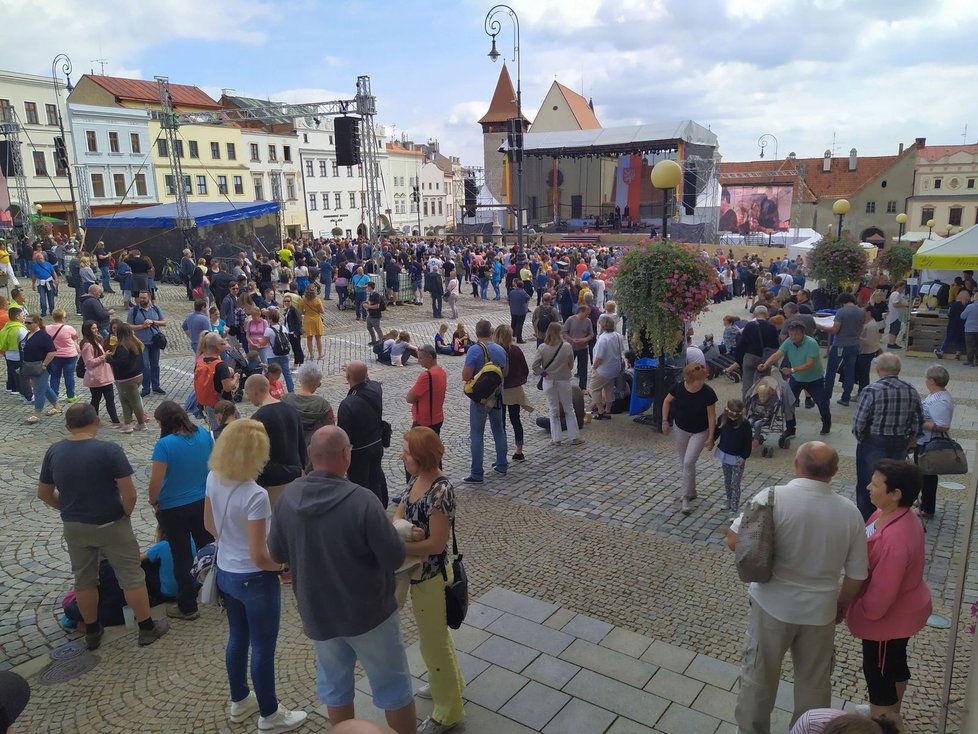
[322, 168]
[52, 113]
[937, 183]
[353, 199]
[312, 202]
[287, 153]
[309, 170]
[955, 216]
[363, 200]
[440, 209]
[272, 153]
[60, 157]
[40, 165]
[338, 200]
[232, 153]
[119, 184]
[178, 147]
[188, 188]
[290, 188]
[91, 141]
[238, 185]
[202, 185]
[216, 151]
[425, 206]
[926, 214]
[259, 188]
[140, 179]
[222, 185]
[891, 207]
[971, 183]
[6, 111]
[330, 139]
[336, 168]
[161, 148]
[305, 137]
[349, 171]
[134, 143]
[870, 207]
[194, 149]
[98, 186]
[326, 200]
[167, 182]
[254, 152]
[31, 109]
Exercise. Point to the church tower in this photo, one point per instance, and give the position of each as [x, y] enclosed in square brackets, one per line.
[496, 123]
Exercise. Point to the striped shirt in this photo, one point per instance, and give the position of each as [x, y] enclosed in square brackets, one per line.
[889, 407]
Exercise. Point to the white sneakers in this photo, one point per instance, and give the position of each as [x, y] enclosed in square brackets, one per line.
[243, 709]
[281, 721]
[424, 692]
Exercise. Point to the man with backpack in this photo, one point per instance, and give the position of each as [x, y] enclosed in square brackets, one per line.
[278, 341]
[375, 306]
[485, 366]
[543, 315]
[213, 379]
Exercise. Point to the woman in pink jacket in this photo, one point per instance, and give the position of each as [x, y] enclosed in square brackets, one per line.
[99, 378]
[895, 601]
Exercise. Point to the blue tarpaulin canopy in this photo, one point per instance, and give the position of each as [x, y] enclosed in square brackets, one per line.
[161, 216]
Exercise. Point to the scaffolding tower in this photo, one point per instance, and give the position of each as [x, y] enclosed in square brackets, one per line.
[11, 132]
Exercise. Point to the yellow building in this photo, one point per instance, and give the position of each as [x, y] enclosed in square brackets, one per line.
[213, 157]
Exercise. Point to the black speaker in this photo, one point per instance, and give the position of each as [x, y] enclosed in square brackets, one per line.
[471, 193]
[690, 191]
[347, 130]
[60, 154]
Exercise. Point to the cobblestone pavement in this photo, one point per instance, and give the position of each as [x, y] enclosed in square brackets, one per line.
[593, 529]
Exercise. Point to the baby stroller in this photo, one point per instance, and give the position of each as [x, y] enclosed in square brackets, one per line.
[239, 364]
[716, 362]
[766, 402]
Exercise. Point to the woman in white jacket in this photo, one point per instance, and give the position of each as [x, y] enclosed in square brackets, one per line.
[554, 362]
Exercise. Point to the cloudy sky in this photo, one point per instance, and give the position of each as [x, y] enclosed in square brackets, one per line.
[866, 73]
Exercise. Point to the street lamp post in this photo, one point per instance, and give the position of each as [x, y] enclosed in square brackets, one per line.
[666, 175]
[63, 152]
[949, 228]
[763, 141]
[840, 208]
[492, 28]
[901, 219]
[930, 227]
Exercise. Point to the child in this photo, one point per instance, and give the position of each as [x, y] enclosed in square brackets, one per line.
[274, 374]
[225, 413]
[733, 450]
[730, 334]
[255, 365]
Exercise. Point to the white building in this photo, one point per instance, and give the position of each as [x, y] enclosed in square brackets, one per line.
[401, 176]
[32, 102]
[114, 146]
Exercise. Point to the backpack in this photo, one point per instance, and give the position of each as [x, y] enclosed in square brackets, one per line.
[207, 395]
[545, 319]
[280, 342]
[485, 384]
[383, 302]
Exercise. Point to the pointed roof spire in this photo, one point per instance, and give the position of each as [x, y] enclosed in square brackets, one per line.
[590, 103]
[503, 104]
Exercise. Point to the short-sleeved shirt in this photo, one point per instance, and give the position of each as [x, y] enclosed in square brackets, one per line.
[798, 355]
[374, 300]
[440, 497]
[519, 301]
[689, 408]
[475, 358]
[233, 504]
[937, 407]
[63, 337]
[186, 467]
[430, 387]
[37, 346]
[85, 473]
[609, 349]
[138, 314]
[851, 319]
[895, 314]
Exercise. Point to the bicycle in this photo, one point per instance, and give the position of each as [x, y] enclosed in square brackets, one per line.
[171, 273]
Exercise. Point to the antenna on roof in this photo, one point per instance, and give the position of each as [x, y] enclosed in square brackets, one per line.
[964, 135]
[101, 63]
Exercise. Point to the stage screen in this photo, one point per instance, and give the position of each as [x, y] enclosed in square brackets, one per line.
[6, 219]
[755, 208]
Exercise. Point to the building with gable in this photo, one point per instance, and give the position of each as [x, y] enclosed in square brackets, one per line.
[945, 187]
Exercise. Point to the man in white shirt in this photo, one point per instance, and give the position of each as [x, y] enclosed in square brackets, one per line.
[897, 303]
[818, 534]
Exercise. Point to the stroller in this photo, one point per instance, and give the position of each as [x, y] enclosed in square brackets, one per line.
[239, 364]
[716, 362]
[767, 401]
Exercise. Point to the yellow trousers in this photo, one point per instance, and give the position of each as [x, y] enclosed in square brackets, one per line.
[438, 649]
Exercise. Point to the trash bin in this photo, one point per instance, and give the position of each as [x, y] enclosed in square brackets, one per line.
[643, 382]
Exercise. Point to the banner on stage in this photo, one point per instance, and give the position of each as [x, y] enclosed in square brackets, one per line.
[748, 209]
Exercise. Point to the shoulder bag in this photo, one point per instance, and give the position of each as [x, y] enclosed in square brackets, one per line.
[754, 553]
[456, 592]
[540, 381]
[29, 369]
[205, 565]
[942, 455]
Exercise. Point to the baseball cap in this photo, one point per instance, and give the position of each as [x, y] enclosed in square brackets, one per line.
[14, 694]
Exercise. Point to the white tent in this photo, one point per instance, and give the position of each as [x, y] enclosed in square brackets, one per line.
[944, 258]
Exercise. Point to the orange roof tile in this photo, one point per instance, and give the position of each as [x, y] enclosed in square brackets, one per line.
[933, 153]
[398, 150]
[138, 90]
[579, 108]
[503, 104]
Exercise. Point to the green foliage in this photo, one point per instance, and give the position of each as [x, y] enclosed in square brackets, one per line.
[898, 260]
[838, 262]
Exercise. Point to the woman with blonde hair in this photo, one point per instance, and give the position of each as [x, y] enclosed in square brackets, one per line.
[126, 361]
[553, 362]
[514, 396]
[237, 512]
[311, 308]
[66, 356]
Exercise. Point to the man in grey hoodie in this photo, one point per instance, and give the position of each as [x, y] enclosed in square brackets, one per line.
[343, 550]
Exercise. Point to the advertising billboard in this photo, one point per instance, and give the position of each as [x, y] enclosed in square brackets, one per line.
[6, 168]
[747, 209]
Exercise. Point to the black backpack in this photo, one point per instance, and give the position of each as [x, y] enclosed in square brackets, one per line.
[280, 342]
[546, 318]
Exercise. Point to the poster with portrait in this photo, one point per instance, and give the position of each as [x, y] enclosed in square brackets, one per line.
[746, 209]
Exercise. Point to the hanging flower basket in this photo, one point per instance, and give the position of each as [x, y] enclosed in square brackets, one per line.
[660, 287]
[897, 260]
[838, 263]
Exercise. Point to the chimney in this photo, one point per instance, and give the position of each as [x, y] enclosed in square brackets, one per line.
[900, 151]
[920, 143]
[852, 159]
[827, 161]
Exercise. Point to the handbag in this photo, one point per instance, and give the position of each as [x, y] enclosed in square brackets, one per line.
[204, 568]
[31, 369]
[540, 381]
[456, 592]
[942, 455]
[754, 552]
[158, 339]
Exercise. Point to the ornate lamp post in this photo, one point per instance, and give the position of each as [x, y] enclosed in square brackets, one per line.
[762, 143]
[901, 219]
[666, 175]
[840, 208]
[930, 227]
[62, 154]
[949, 228]
[492, 27]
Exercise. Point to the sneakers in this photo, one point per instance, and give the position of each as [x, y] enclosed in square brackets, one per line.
[282, 720]
[424, 691]
[893, 346]
[826, 429]
[809, 403]
[94, 639]
[125, 428]
[939, 354]
[148, 637]
[577, 441]
[244, 709]
[71, 400]
[430, 726]
[473, 480]
[519, 457]
[843, 403]
[686, 508]
[556, 443]
[496, 469]
[159, 391]
[174, 612]
[140, 427]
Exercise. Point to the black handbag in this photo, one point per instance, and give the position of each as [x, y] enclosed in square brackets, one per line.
[942, 455]
[159, 339]
[456, 592]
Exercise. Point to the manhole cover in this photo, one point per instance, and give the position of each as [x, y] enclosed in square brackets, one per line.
[951, 485]
[69, 650]
[65, 670]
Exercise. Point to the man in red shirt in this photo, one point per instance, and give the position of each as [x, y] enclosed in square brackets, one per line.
[427, 396]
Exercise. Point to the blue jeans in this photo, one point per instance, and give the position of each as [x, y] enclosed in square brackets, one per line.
[495, 287]
[358, 298]
[869, 450]
[63, 366]
[151, 368]
[47, 294]
[484, 289]
[253, 602]
[190, 404]
[106, 279]
[327, 282]
[24, 267]
[847, 356]
[956, 339]
[42, 390]
[283, 362]
[436, 305]
[478, 413]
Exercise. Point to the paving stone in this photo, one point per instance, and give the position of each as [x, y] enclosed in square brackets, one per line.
[479, 719]
[506, 653]
[535, 705]
[470, 665]
[587, 628]
[551, 671]
[609, 662]
[538, 636]
[670, 656]
[681, 720]
[713, 671]
[481, 616]
[627, 726]
[559, 618]
[674, 687]
[615, 696]
[580, 717]
[494, 687]
[467, 638]
[627, 642]
[518, 604]
[717, 702]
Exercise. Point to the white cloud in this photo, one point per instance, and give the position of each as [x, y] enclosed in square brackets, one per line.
[333, 60]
